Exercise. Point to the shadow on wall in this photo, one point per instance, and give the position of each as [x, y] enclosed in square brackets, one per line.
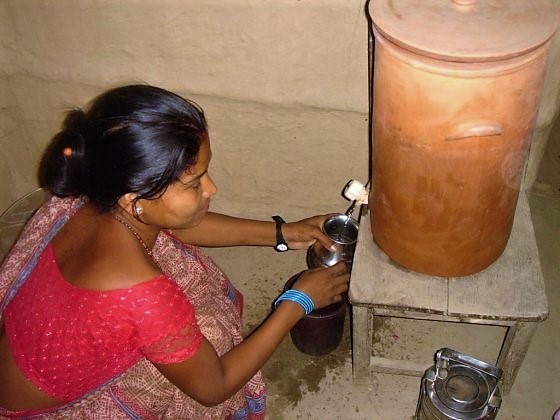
[548, 178]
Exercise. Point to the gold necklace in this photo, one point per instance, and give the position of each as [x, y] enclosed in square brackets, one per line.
[136, 235]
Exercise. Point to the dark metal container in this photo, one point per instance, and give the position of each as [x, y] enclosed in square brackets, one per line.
[320, 332]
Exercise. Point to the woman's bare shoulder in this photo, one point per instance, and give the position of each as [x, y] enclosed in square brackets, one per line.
[92, 253]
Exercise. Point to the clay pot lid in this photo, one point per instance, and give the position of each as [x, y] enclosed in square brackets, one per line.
[466, 30]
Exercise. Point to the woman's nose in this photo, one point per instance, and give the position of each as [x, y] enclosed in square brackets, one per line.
[209, 186]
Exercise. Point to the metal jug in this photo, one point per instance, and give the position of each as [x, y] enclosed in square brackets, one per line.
[343, 230]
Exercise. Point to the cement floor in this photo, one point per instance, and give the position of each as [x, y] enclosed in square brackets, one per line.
[321, 387]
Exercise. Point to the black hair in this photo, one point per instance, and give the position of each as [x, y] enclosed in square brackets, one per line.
[135, 138]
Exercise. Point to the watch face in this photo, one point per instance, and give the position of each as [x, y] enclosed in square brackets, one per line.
[282, 247]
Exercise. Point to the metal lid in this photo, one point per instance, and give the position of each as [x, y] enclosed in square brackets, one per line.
[461, 385]
[466, 30]
[464, 389]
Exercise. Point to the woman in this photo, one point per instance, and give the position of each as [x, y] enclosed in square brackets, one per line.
[109, 308]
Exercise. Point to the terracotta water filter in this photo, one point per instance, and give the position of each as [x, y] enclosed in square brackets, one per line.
[457, 85]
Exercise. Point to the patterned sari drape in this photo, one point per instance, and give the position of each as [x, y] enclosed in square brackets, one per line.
[142, 392]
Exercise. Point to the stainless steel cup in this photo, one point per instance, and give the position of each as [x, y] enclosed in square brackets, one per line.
[343, 230]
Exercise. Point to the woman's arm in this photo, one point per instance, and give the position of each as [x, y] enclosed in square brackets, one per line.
[216, 230]
[211, 380]
[219, 230]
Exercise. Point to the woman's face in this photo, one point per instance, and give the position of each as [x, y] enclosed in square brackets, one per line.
[185, 202]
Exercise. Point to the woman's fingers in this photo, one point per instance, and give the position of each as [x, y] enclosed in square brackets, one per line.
[306, 232]
[340, 268]
[325, 285]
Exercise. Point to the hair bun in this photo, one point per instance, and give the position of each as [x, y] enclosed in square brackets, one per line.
[75, 122]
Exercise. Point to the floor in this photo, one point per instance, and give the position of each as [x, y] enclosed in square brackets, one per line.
[321, 387]
[301, 386]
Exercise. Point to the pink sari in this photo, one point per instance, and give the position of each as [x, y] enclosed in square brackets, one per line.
[142, 392]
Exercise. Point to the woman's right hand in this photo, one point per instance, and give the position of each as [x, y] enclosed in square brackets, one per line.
[324, 286]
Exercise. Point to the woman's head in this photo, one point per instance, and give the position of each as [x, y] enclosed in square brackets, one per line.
[133, 139]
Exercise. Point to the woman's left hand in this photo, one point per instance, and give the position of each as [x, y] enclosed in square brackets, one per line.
[304, 233]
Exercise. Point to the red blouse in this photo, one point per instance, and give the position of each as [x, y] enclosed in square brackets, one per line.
[68, 340]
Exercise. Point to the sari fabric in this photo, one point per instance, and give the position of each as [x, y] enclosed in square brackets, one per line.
[142, 392]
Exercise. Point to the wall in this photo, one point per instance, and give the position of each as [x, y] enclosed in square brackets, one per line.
[283, 83]
[548, 113]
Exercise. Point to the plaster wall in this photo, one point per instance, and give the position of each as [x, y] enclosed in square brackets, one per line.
[541, 143]
[283, 83]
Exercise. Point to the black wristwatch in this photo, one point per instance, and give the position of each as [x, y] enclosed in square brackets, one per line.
[281, 244]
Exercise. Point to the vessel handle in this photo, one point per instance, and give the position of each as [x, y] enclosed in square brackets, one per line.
[475, 129]
[450, 354]
[464, 2]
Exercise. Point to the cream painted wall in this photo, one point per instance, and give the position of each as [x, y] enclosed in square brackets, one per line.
[547, 115]
[283, 82]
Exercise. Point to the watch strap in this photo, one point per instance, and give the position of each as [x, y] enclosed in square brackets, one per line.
[281, 244]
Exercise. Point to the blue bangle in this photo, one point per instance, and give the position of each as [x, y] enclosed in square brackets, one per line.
[298, 297]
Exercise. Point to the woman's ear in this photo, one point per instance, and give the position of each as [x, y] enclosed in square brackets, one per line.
[126, 202]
